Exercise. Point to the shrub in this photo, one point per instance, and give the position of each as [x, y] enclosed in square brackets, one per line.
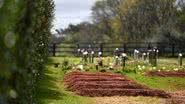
[65, 62]
[25, 30]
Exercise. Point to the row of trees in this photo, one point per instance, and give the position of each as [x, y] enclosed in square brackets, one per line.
[132, 20]
[24, 35]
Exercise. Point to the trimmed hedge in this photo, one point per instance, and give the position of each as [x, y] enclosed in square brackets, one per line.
[24, 35]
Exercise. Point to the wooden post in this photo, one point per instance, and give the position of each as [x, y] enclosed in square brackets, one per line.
[54, 49]
[77, 52]
[125, 48]
[155, 57]
[149, 46]
[77, 46]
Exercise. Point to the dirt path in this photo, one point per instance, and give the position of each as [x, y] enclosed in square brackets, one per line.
[129, 100]
[177, 97]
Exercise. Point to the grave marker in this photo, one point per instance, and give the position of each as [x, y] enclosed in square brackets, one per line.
[157, 54]
[180, 59]
[136, 55]
[100, 54]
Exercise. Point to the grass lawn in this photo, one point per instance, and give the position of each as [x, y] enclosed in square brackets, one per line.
[51, 89]
[155, 82]
[163, 83]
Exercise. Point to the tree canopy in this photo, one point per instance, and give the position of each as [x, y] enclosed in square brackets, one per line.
[133, 21]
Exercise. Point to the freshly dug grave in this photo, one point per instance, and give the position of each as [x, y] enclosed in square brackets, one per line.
[107, 84]
[72, 74]
[167, 73]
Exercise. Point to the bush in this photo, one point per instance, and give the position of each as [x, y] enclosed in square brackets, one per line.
[65, 62]
[25, 30]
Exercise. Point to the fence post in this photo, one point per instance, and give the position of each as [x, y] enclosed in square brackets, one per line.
[77, 46]
[125, 48]
[77, 50]
[173, 49]
[149, 46]
[54, 49]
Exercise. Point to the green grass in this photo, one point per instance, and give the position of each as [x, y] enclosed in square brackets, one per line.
[72, 60]
[51, 89]
[155, 82]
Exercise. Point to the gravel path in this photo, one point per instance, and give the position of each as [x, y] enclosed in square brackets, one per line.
[129, 100]
[177, 98]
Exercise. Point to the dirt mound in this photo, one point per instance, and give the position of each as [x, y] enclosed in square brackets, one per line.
[121, 92]
[167, 73]
[107, 84]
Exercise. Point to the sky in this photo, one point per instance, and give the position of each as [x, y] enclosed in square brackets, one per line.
[71, 12]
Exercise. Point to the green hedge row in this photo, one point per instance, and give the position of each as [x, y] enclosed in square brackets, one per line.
[24, 35]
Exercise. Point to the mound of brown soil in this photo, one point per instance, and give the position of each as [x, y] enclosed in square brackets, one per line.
[167, 73]
[107, 84]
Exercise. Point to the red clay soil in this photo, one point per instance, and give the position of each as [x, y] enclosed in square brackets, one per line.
[107, 84]
[167, 74]
[69, 75]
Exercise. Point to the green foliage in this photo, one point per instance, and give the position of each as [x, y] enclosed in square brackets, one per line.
[132, 21]
[24, 36]
[66, 68]
[65, 62]
[133, 67]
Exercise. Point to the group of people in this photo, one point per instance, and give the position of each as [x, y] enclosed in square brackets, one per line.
[119, 56]
[88, 54]
[149, 56]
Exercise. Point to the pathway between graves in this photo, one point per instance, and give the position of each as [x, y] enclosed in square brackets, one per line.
[177, 97]
[129, 100]
[107, 84]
